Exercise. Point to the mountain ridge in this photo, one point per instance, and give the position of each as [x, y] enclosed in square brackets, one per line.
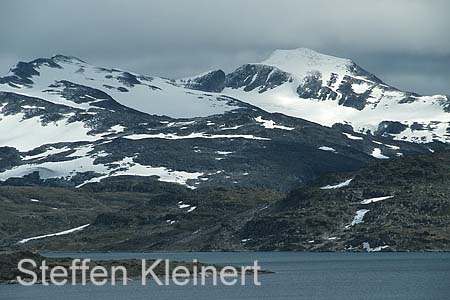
[328, 90]
[205, 163]
[74, 123]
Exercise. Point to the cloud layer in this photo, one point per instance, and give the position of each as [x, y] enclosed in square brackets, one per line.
[404, 42]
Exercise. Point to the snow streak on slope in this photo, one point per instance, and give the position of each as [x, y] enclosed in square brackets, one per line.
[194, 135]
[337, 186]
[325, 148]
[378, 199]
[54, 234]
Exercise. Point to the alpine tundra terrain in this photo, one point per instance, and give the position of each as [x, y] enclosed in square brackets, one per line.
[303, 151]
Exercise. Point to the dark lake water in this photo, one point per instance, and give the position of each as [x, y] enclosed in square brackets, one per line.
[312, 276]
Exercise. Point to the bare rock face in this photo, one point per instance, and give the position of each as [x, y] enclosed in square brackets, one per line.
[213, 81]
[259, 77]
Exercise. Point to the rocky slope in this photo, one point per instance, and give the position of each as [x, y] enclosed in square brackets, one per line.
[398, 205]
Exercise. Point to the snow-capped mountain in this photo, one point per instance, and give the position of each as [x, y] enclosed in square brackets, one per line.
[71, 82]
[329, 90]
[66, 122]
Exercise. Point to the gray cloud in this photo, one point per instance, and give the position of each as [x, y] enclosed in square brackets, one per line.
[403, 42]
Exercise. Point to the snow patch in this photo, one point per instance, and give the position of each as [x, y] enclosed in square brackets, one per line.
[393, 147]
[352, 137]
[269, 124]
[32, 107]
[116, 129]
[83, 163]
[224, 152]
[192, 209]
[361, 88]
[358, 219]
[366, 246]
[377, 154]
[127, 167]
[27, 134]
[373, 200]
[325, 148]
[337, 186]
[232, 128]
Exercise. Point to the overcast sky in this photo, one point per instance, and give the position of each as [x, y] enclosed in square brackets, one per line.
[405, 42]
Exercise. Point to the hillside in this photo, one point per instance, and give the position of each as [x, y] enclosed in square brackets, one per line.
[398, 205]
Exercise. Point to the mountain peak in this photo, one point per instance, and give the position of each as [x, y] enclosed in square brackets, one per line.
[66, 58]
[298, 51]
[305, 55]
[301, 61]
